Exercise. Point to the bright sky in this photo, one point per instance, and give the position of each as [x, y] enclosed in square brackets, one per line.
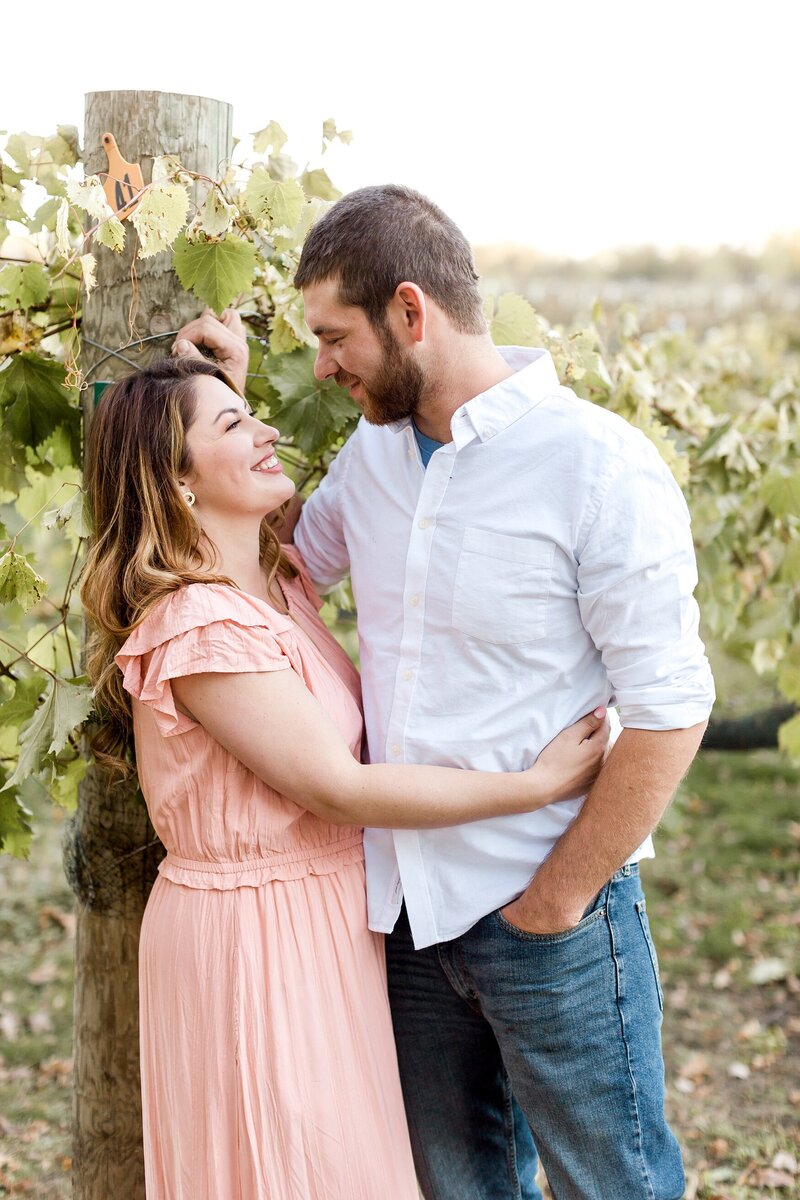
[573, 125]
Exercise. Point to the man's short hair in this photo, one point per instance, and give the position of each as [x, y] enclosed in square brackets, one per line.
[378, 237]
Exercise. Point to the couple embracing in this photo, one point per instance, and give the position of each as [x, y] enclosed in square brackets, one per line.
[521, 560]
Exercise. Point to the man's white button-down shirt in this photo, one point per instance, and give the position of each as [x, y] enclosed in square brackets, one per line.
[542, 565]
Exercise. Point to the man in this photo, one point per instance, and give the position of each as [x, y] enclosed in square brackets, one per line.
[518, 556]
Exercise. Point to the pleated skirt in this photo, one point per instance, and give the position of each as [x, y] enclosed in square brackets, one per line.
[269, 1069]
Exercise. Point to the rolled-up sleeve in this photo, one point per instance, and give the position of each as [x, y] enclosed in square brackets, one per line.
[636, 578]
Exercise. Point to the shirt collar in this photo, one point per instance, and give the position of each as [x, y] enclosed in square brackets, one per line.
[492, 411]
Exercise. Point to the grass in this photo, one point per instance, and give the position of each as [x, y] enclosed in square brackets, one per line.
[724, 905]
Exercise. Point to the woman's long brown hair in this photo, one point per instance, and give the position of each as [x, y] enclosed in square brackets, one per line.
[147, 541]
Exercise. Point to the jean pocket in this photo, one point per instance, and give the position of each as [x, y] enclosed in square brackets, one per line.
[546, 939]
[501, 587]
[641, 908]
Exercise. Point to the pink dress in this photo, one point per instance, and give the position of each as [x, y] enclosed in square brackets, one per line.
[268, 1063]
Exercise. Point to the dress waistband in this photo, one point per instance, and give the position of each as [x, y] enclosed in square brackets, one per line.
[222, 875]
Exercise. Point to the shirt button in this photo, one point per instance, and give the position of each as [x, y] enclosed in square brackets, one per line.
[406, 674]
[395, 749]
[423, 524]
[489, 431]
[413, 601]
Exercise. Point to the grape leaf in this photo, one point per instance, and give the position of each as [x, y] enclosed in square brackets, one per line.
[63, 244]
[214, 217]
[19, 581]
[271, 137]
[64, 706]
[318, 183]
[790, 567]
[167, 167]
[215, 271]
[514, 322]
[23, 704]
[23, 287]
[89, 272]
[88, 195]
[311, 412]
[34, 739]
[75, 510]
[15, 826]
[34, 399]
[160, 216]
[278, 202]
[281, 166]
[73, 703]
[20, 147]
[282, 338]
[10, 207]
[331, 134]
[111, 233]
[64, 788]
[781, 493]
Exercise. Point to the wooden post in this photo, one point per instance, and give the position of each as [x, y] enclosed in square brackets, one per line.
[111, 851]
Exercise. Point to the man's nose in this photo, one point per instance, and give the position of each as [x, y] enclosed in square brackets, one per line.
[324, 364]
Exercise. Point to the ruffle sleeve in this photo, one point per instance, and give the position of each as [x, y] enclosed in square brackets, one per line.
[199, 628]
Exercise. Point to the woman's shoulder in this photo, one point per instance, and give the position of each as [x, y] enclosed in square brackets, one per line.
[195, 605]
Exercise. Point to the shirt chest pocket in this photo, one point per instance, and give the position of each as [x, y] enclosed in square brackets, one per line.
[501, 587]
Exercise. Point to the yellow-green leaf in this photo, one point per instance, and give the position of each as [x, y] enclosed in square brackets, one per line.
[88, 271]
[24, 287]
[514, 322]
[111, 233]
[781, 493]
[789, 737]
[317, 183]
[271, 137]
[19, 582]
[216, 272]
[160, 216]
[278, 202]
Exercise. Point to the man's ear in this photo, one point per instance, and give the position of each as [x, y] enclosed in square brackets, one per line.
[410, 311]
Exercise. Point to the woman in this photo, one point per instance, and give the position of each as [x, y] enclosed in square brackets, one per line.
[268, 1066]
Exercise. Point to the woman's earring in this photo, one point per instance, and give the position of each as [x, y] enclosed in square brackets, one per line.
[189, 497]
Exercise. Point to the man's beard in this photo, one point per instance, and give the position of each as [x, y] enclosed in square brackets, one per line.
[397, 388]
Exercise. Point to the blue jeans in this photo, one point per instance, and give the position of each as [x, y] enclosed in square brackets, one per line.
[512, 1042]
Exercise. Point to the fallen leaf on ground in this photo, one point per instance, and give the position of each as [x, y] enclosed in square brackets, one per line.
[749, 1030]
[718, 1148]
[769, 1177]
[695, 1068]
[768, 970]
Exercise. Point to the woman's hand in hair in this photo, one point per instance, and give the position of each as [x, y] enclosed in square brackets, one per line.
[224, 336]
